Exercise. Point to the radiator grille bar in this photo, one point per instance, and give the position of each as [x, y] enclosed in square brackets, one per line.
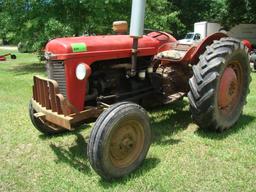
[56, 71]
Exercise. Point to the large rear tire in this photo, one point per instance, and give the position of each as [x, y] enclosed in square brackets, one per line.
[119, 141]
[219, 85]
[41, 125]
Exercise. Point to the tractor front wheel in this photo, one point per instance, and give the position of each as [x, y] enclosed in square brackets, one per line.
[119, 141]
[219, 85]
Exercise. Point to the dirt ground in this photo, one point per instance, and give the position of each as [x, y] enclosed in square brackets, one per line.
[9, 47]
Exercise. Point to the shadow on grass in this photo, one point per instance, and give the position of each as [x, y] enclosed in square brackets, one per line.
[169, 120]
[148, 164]
[77, 130]
[241, 124]
[23, 69]
[75, 155]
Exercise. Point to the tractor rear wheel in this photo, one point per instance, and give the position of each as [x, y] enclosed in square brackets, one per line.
[219, 85]
[119, 141]
[41, 125]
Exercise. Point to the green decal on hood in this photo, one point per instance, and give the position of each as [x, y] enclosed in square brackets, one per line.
[78, 47]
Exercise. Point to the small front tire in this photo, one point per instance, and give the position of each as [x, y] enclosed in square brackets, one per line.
[119, 141]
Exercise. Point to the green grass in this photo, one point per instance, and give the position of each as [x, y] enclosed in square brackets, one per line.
[181, 158]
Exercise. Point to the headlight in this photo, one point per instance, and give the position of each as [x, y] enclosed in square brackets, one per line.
[80, 71]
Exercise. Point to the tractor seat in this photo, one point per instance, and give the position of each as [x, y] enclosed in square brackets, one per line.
[171, 54]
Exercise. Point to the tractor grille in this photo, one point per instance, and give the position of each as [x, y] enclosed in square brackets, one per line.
[56, 71]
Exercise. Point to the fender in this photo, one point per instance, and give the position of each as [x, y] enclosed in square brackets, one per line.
[192, 52]
[194, 58]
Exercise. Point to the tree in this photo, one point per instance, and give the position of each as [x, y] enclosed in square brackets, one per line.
[239, 11]
[195, 11]
[35, 22]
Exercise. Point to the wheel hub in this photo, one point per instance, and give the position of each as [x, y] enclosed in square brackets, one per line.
[228, 88]
[126, 143]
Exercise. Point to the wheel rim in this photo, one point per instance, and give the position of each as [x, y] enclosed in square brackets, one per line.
[230, 88]
[126, 143]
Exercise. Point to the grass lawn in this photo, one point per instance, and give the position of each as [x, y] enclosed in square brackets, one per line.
[181, 157]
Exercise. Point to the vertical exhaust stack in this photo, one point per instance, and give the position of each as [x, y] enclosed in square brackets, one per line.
[136, 29]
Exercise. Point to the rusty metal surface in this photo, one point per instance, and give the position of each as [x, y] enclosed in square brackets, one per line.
[230, 88]
[126, 143]
[45, 92]
[184, 53]
[52, 107]
[63, 121]
[174, 77]
[52, 117]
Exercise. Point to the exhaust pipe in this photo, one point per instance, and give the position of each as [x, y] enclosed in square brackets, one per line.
[136, 29]
[137, 18]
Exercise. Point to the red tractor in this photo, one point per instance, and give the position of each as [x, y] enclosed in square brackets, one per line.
[109, 78]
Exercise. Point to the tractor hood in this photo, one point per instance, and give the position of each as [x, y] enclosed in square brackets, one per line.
[109, 46]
